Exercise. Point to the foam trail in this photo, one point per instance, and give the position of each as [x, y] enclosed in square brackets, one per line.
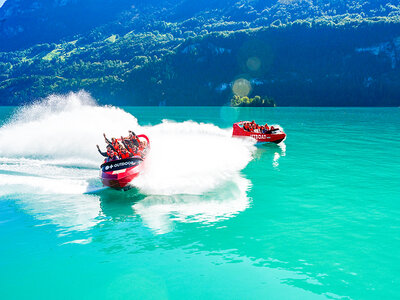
[160, 212]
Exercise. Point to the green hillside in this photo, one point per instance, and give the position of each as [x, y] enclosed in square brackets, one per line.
[191, 53]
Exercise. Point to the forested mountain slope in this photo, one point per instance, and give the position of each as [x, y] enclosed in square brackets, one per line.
[186, 52]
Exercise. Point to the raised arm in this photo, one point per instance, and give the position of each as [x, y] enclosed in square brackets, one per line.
[124, 143]
[106, 140]
[102, 153]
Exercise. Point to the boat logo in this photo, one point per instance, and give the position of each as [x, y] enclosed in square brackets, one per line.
[120, 165]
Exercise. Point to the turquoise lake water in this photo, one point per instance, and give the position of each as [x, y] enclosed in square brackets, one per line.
[317, 217]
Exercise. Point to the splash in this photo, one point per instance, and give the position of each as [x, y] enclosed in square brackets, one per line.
[62, 127]
[191, 158]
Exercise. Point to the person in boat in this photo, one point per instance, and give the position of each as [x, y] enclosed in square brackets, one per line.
[253, 126]
[124, 153]
[133, 138]
[140, 152]
[114, 143]
[110, 154]
[248, 126]
[127, 143]
[128, 146]
[108, 150]
[113, 156]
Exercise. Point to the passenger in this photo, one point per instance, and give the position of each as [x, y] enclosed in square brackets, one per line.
[139, 153]
[108, 142]
[105, 154]
[110, 154]
[125, 154]
[265, 130]
[142, 145]
[113, 156]
[114, 143]
[128, 145]
[117, 146]
[133, 138]
[266, 126]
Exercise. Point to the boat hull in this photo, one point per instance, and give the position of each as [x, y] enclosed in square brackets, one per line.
[119, 173]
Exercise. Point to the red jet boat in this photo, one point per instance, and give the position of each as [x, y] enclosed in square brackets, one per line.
[276, 135]
[118, 174]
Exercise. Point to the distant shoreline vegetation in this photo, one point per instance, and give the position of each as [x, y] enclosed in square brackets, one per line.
[256, 101]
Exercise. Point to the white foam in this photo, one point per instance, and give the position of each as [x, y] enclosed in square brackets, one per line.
[160, 212]
[62, 127]
[191, 158]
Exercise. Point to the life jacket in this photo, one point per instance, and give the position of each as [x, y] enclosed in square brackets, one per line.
[124, 155]
[141, 146]
[135, 141]
[116, 145]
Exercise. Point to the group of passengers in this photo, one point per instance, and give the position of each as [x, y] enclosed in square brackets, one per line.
[254, 127]
[123, 148]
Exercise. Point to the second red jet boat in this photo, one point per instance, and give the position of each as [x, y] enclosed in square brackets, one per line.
[275, 135]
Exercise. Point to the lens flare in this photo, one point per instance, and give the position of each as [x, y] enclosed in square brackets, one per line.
[241, 87]
[253, 63]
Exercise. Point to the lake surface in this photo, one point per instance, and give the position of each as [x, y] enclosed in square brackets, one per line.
[317, 217]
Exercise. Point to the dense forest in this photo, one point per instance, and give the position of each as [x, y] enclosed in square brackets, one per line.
[186, 52]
